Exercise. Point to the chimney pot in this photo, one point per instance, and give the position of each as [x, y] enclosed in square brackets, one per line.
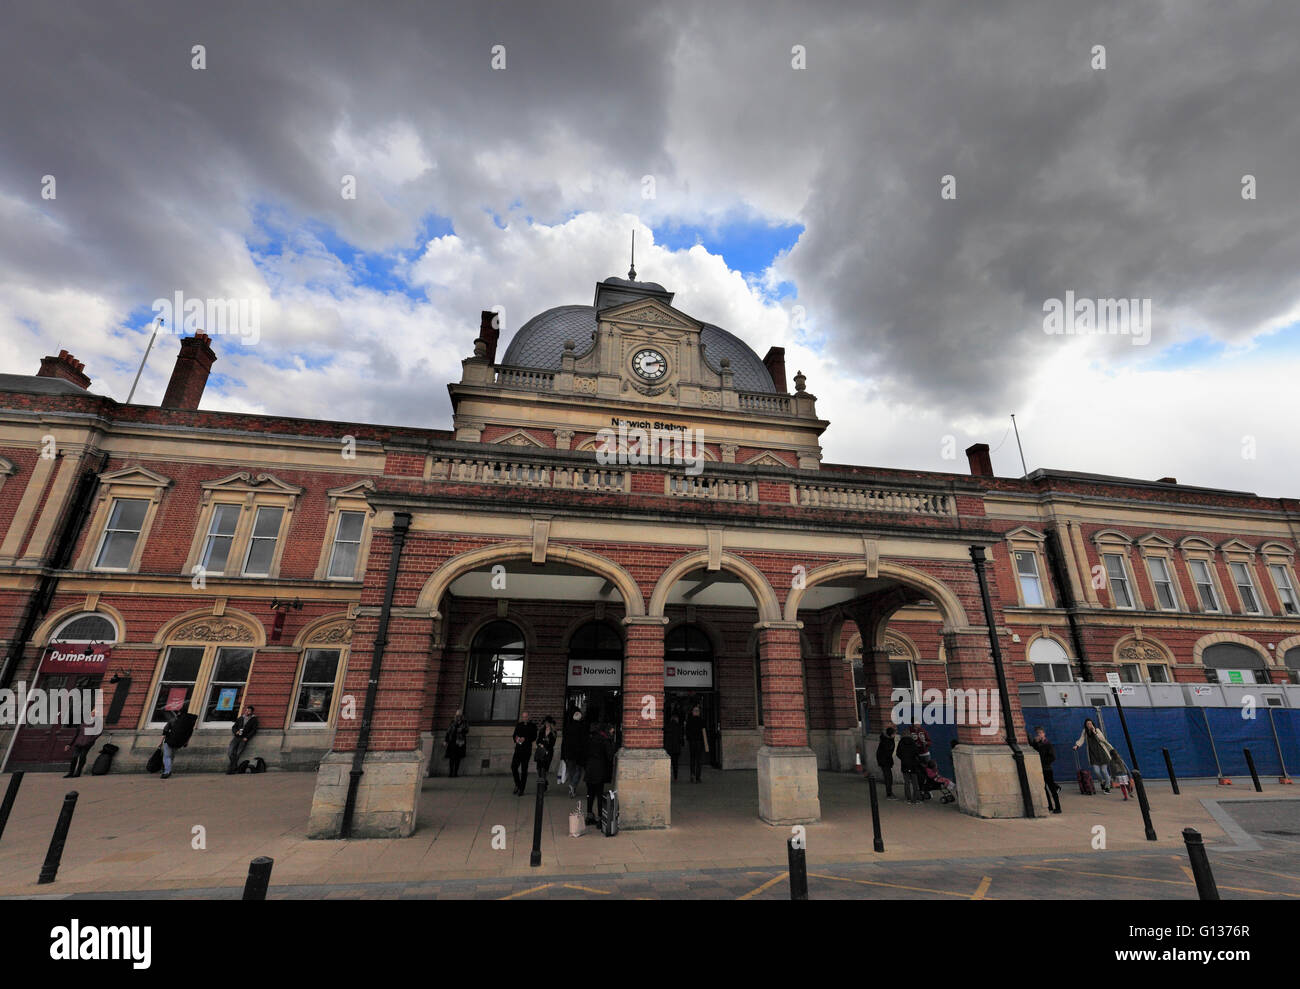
[65, 367]
[1167, 480]
[981, 464]
[190, 374]
[775, 364]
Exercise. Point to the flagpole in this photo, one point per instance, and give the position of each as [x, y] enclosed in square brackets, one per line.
[153, 336]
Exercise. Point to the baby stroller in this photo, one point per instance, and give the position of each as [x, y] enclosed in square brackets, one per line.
[931, 780]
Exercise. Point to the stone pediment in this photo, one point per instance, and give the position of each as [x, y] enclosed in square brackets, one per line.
[650, 312]
[518, 438]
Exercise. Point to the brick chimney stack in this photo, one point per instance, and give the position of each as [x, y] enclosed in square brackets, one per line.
[981, 464]
[489, 331]
[190, 374]
[64, 366]
[775, 364]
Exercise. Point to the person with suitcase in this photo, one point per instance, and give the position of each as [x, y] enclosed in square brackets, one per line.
[1083, 777]
[1099, 750]
[1047, 755]
[599, 768]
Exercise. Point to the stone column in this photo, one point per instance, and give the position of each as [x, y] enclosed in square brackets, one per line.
[987, 782]
[643, 777]
[787, 767]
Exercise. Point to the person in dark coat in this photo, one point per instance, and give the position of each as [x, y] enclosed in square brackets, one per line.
[525, 735]
[1047, 755]
[573, 749]
[909, 766]
[697, 741]
[176, 735]
[885, 760]
[456, 741]
[674, 733]
[546, 739]
[242, 729]
[91, 728]
[600, 767]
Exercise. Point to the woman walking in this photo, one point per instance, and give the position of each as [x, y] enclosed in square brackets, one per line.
[697, 739]
[545, 750]
[455, 740]
[1099, 752]
[600, 768]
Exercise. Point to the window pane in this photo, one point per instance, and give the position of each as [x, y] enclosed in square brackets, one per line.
[1042, 673]
[1026, 564]
[1118, 581]
[267, 524]
[344, 561]
[316, 694]
[117, 549]
[350, 526]
[260, 553]
[232, 664]
[1158, 673]
[128, 513]
[1130, 673]
[1285, 590]
[900, 673]
[229, 678]
[1031, 591]
[180, 670]
[320, 666]
[224, 520]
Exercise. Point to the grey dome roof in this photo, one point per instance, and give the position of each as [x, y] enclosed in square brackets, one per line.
[540, 343]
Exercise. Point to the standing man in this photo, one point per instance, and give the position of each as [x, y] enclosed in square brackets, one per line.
[243, 729]
[909, 765]
[525, 735]
[697, 742]
[90, 730]
[885, 760]
[1048, 756]
[176, 735]
[573, 750]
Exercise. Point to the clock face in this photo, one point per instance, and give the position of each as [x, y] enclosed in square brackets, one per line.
[650, 364]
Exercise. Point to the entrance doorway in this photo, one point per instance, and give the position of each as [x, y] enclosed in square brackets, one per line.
[689, 680]
[595, 677]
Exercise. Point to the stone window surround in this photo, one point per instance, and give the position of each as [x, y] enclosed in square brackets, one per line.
[1276, 554]
[1156, 545]
[1236, 551]
[1200, 548]
[349, 498]
[331, 632]
[1044, 633]
[202, 629]
[1115, 543]
[1151, 652]
[249, 494]
[1025, 539]
[128, 482]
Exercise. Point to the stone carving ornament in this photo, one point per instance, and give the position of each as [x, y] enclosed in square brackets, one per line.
[214, 630]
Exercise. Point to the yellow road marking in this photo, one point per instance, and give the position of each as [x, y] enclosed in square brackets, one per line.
[1188, 872]
[1151, 879]
[767, 885]
[1262, 872]
[525, 892]
[983, 888]
[586, 889]
[915, 889]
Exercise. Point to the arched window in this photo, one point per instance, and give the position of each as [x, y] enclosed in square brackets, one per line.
[595, 642]
[86, 628]
[496, 674]
[1235, 657]
[1292, 660]
[1051, 661]
[687, 642]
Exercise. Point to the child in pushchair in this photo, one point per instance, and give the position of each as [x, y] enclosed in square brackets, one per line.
[931, 780]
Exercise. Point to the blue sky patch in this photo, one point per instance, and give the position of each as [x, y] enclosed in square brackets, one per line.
[748, 246]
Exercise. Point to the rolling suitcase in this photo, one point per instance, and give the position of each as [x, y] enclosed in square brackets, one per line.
[103, 761]
[1084, 777]
[609, 814]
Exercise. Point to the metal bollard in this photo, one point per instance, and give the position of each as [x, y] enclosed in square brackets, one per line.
[1169, 765]
[798, 871]
[1205, 887]
[259, 878]
[11, 794]
[878, 843]
[535, 859]
[55, 852]
[1250, 764]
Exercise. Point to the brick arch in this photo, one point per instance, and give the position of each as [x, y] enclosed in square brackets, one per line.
[588, 618]
[932, 589]
[716, 640]
[769, 609]
[1065, 646]
[435, 587]
[1159, 646]
[1215, 638]
[46, 628]
[471, 628]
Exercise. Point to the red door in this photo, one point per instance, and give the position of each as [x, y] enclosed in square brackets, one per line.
[41, 746]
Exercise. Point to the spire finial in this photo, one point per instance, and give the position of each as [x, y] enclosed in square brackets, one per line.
[631, 271]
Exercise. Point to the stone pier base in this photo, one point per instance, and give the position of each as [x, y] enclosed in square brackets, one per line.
[787, 785]
[988, 784]
[643, 780]
[387, 795]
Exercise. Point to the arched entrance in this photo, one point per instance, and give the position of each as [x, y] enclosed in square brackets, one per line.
[594, 677]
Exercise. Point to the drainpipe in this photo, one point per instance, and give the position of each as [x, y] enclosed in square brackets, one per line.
[1065, 594]
[978, 558]
[401, 523]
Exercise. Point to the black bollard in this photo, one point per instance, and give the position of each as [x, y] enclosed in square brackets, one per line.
[1205, 887]
[259, 878]
[798, 870]
[878, 843]
[535, 859]
[1250, 764]
[1143, 806]
[55, 852]
[1169, 765]
[11, 794]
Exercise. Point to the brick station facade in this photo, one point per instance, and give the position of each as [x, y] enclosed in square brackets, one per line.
[230, 559]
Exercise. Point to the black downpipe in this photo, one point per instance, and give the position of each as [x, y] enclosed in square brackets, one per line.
[977, 558]
[70, 530]
[1065, 594]
[401, 524]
